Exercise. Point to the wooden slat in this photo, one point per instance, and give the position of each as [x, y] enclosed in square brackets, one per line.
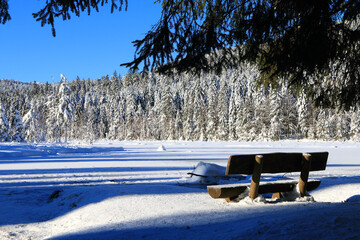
[277, 187]
[226, 191]
[275, 163]
[233, 190]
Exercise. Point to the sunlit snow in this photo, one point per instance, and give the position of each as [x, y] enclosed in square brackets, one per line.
[131, 190]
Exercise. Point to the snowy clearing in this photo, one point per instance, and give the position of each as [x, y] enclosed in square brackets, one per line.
[133, 190]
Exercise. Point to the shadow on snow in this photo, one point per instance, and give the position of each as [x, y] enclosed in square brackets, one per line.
[300, 221]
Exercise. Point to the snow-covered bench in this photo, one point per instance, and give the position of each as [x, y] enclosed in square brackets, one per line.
[255, 165]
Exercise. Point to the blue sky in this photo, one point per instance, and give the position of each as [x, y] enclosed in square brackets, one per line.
[88, 47]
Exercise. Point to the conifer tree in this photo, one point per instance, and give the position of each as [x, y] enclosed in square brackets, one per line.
[4, 125]
[304, 117]
[104, 117]
[17, 127]
[115, 118]
[224, 96]
[53, 127]
[188, 116]
[321, 124]
[131, 108]
[276, 121]
[212, 112]
[199, 114]
[355, 125]
[234, 105]
[343, 126]
[65, 107]
[34, 130]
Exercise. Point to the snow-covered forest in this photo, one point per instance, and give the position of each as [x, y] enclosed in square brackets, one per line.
[155, 107]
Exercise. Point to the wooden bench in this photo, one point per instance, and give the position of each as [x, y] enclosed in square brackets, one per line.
[255, 165]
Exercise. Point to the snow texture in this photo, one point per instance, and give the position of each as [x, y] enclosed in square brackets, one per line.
[161, 148]
[129, 190]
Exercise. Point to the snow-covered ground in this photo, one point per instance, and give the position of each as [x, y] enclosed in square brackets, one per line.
[141, 190]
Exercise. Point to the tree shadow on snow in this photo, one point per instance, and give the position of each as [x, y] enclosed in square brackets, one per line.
[30, 198]
[114, 158]
[87, 170]
[321, 221]
[337, 181]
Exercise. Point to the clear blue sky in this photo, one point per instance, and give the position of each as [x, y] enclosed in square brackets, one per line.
[88, 46]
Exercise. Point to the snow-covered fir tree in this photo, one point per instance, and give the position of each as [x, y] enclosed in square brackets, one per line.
[355, 125]
[53, 127]
[276, 120]
[303, 118]
[212, 121]
[34, 131]
[17, 127]
[166, 111]
[4, 125]
[65, 107]
[223, 106]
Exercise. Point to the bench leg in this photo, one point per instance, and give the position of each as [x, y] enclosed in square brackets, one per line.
[255, 179]
[229, 199]
[304, 175]
[276, 195]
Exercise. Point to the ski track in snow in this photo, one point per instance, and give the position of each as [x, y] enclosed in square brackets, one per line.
[141, 190]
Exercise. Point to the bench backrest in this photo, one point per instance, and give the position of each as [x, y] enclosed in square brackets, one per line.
[275, 162]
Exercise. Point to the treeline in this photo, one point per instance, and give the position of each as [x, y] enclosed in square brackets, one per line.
[207, 107]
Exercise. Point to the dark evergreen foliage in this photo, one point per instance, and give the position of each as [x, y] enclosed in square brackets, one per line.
[302, 41]
[62, 8]
[312, 45]
[4, 11]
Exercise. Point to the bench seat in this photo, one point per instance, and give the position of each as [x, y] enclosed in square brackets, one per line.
[233, 190]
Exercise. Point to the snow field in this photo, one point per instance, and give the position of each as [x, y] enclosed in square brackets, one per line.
[131, 190]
